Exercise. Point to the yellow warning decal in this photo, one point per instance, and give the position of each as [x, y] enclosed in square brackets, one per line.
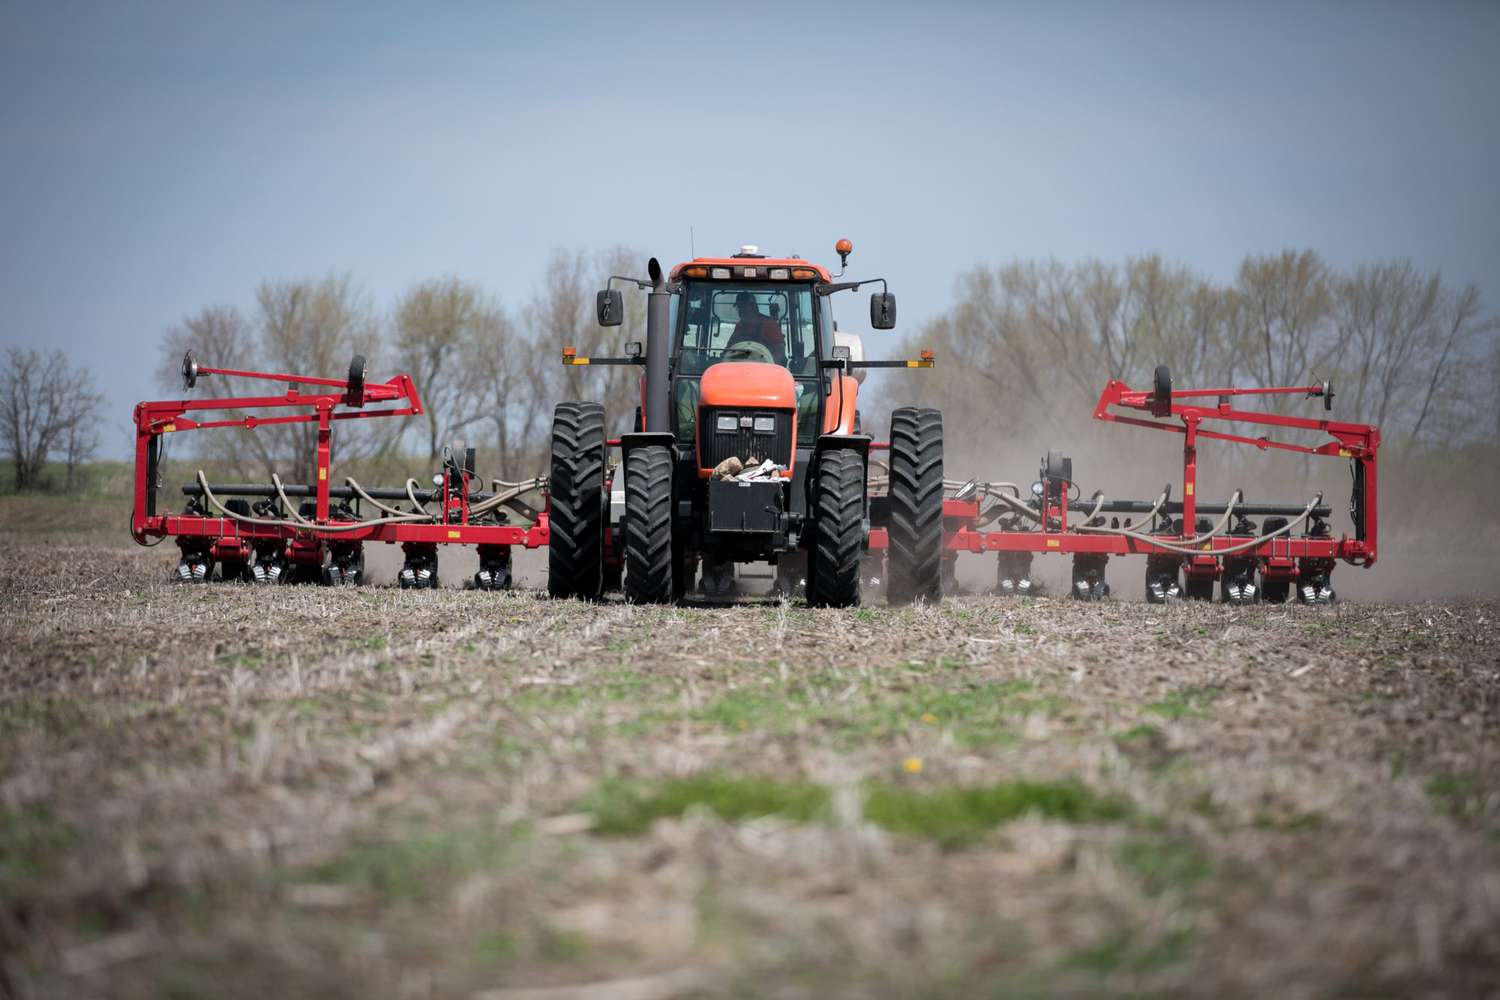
[322, 475]
[1188, 489]
[455, 534]
[169, 428]
[1345, 453]
[1053, 543]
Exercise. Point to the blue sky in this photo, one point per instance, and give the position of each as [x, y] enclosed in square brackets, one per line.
[161, 157]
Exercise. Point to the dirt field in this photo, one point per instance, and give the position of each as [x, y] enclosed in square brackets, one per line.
[224, 791]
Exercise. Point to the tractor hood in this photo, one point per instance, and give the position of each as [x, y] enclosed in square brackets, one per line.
[748, 383]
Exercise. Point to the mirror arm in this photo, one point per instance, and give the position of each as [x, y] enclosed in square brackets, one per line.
[829, 287]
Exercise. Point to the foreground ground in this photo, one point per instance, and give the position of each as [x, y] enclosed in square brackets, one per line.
[364, 792]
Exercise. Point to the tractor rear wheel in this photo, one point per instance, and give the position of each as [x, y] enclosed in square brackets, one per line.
[914, 562]
[575, 546]
[838, 530]
[649, 563]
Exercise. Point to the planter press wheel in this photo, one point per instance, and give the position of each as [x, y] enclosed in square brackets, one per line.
[189, 370]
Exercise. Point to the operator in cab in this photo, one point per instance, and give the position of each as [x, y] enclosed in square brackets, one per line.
[756, 327]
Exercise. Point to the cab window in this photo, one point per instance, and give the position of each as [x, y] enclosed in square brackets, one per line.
[722, 321]
[727, 322]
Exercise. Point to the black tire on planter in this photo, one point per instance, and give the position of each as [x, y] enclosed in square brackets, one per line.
[914, 560]
[1162, 383]
[649, 570]
[838, 530]
[575, 546]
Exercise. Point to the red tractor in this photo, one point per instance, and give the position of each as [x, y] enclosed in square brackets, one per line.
[747, 446]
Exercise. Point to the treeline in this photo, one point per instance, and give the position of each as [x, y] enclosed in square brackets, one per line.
[1023, 350]
[1031, 342]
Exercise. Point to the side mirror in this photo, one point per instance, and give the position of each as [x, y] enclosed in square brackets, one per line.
[883, 310]
[610, 305]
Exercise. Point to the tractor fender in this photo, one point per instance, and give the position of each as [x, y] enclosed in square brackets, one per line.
[641, 439]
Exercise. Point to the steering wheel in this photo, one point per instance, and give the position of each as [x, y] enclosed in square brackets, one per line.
[752, 350]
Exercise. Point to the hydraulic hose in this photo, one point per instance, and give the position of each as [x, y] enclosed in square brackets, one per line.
[393, 511]
[1182, 549]
[1213, 532]
[301, 523]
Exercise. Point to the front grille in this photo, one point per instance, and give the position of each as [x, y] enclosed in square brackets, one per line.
[744, 443]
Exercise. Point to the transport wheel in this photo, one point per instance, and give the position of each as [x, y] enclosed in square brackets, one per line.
[355, 394]
[914, 561]
[1163, 383]
[838, 530]
[649, 572]
[575, 546]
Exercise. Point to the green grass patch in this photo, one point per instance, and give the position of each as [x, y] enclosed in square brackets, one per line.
[49, 716]
[1144, 733]
[956, 816]
[30, 841]
[1185, 702]
[974, 716]
[744, 709]
[1164, 865]
[1458, 795]
[413, 867]
[1293, 822]
[1125, 951]
[626, 807]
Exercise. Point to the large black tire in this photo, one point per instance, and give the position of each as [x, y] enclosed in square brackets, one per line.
[649, 576]
[915, 559]
[838, 530]
[575, 548]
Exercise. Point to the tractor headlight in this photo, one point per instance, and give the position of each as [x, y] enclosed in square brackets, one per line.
[726, 423]
[765, 425]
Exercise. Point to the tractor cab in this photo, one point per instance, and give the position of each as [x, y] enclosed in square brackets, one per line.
[746, 349]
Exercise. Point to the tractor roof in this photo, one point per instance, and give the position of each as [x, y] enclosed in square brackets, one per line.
[746, 266]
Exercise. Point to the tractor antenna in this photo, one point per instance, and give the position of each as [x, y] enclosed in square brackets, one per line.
[692, 245]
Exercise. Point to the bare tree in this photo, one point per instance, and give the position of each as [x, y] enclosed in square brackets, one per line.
[504, 393]
[217, 335]
[1286, 306]
[46, 406]
[561, 314]
[432, 323]
[1461, 327]
[314, 328]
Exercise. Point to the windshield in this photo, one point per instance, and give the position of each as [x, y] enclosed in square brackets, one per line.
[759, 322]
[728, 322]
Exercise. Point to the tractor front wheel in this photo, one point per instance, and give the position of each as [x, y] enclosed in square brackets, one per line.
[914, 562]
[838, 530]
[575, 544]
[649, 562]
